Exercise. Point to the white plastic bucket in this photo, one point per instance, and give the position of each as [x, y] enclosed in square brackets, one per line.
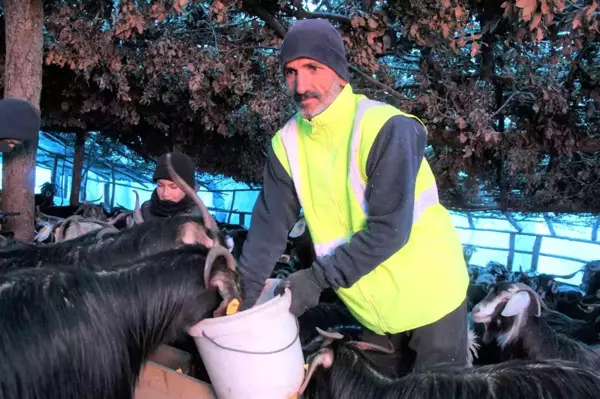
[254, 354]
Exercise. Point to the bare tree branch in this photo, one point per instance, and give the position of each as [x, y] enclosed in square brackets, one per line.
[301, 14]
[378, 83]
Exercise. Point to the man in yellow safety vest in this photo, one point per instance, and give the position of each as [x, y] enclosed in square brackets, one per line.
[383, 241]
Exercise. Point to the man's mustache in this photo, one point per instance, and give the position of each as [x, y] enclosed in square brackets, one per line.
[305, 96]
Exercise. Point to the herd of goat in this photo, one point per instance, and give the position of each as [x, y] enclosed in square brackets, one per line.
[83, 307]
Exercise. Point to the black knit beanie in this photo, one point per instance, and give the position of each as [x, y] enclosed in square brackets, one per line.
[19, 119]
[316, 39]
[183, 165]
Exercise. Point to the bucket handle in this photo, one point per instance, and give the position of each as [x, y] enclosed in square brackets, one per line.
[252, 352]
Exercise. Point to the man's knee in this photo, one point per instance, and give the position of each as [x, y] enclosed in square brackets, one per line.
[442, 342]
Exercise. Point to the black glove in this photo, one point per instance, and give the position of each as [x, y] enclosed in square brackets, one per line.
[306, 286]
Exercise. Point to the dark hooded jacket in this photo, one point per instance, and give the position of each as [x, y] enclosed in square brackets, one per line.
[185, 168]
[19, 119]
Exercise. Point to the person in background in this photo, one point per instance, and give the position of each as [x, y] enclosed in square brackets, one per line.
[383, 241]
[19, 122]
[167, 199]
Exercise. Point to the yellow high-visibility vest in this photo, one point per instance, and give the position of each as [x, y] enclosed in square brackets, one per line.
[326, 159]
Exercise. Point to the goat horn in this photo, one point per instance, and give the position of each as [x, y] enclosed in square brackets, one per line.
[106, 230]
[366, 346]
[137, 199]
[209, 222]
[60, 231]
[567, 276]
[206, 216]
[213, 254]
[115, 219]
[332, 335]
[137, 216]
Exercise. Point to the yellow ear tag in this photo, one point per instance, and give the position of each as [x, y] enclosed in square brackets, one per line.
[232, 307]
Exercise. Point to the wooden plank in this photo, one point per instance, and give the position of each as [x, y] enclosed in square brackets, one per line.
[231, 207]
[518, 251]
[511, 252]
[470, 220]
[512, 221]
[529, 234]
[213, 209]
[536, 253]
[158, 382]
[550, 225]
[229, 190]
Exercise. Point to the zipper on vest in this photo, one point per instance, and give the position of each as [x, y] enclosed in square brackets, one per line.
[372, 307]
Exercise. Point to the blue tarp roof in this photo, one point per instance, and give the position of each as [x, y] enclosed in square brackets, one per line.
[51, 147]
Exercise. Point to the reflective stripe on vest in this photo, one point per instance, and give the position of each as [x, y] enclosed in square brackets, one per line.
[289, 137]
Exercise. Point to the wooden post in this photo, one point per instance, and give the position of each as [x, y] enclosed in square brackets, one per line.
[231, 207]
[54, 171]
[511, 252]
[536, 253]
[114, 186]
[23, 24]
[550, 225]
[595, 229]
[77, 168]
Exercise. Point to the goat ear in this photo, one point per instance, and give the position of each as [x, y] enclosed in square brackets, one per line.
[516, 304]
[227, 289]
[322, 358]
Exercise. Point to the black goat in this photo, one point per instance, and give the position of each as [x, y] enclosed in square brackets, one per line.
[347, 374]
[88, 251]
[511, 313]
[151, 237]
[590, 282]
[71, 333]
[328, 317]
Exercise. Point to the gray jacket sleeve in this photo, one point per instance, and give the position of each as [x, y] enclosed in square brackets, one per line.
[274, 214]
[392, 167]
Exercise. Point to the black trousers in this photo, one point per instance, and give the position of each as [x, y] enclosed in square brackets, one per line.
[444, 341]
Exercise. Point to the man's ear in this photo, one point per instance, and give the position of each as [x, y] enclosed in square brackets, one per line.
[4, 147]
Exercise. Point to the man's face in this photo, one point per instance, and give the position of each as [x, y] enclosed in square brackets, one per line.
[168, 191]
[314, 86]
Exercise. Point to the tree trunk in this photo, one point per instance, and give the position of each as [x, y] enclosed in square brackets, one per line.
[23, 80]
[77, 168]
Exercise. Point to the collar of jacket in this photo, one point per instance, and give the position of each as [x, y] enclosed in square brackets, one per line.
[335, 122]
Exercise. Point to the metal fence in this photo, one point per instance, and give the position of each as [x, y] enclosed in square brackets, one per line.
[516, 231]
[535, 252]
